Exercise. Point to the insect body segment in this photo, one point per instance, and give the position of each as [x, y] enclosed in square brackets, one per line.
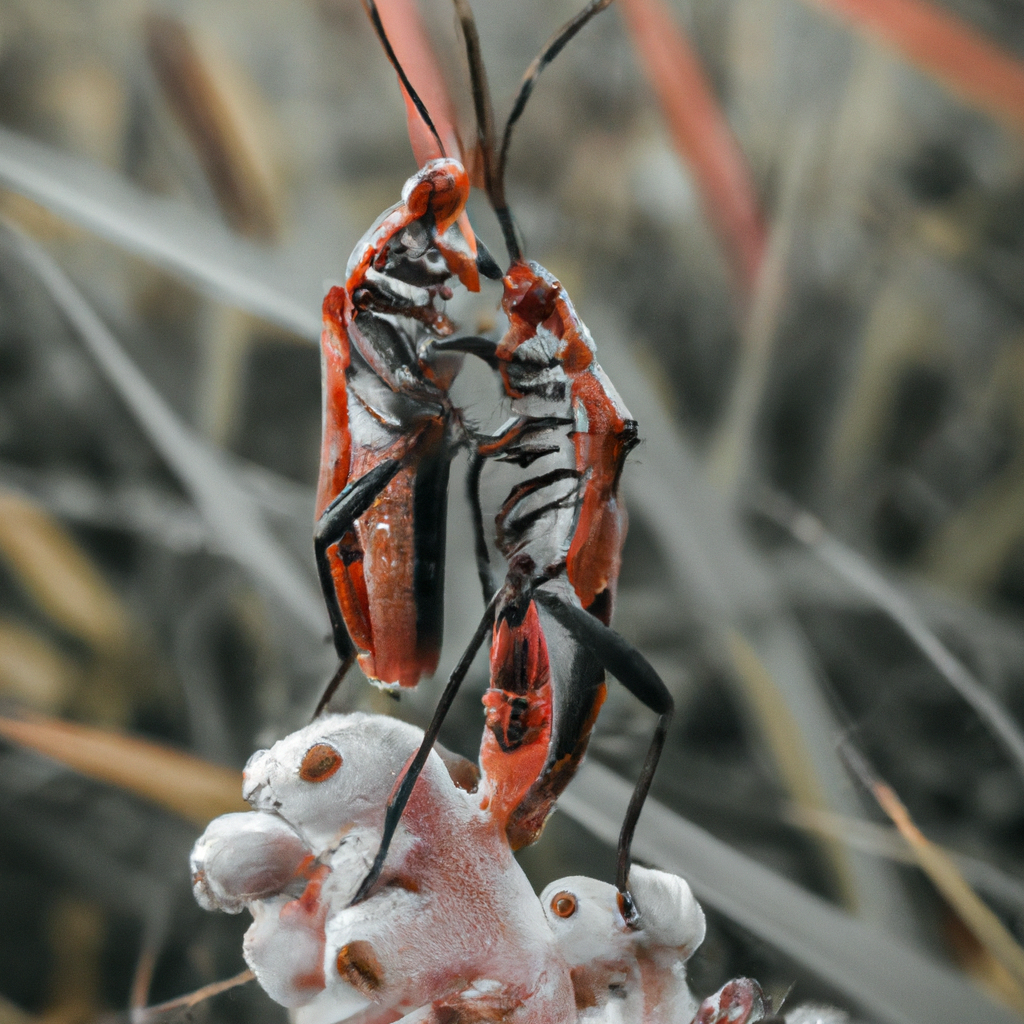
[431, 213]
[518, 708]
[390, 430]
[566, 517]
[548, 348]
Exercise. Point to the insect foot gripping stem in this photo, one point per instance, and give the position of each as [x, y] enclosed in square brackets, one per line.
[452, 923]
[622, 972]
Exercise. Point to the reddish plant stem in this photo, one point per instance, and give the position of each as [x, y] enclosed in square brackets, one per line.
[412, 46]
[946, 47]
[701, 134]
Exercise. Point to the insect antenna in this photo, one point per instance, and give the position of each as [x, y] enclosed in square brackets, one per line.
[494, 184]
[552, 49]
[378, 25]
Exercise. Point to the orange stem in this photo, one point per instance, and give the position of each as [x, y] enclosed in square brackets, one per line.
[411, 44]
[702, 135]
[958, 55]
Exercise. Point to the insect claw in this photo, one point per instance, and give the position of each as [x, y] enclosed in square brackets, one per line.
[483, 348]
[627, 908]
[486, 263]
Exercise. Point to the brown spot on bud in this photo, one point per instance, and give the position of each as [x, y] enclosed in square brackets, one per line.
[320, 762]
[359, 966]
[563, 904]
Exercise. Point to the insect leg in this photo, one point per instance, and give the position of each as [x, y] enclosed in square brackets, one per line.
[483, 560]
[332, 526]
[635, 672]
[492, 447]
[486, 263]
[482, 348]
[339, 674]
[401, 794]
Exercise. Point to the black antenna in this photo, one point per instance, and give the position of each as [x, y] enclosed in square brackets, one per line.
[553, 48]
[494, 184]
[371, 10]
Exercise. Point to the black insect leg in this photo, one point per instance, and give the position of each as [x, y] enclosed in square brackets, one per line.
[483, 558]
[336, 680]
[635, 672]
[486, 263]
[482, 348]
[400, 797]
[335, 522]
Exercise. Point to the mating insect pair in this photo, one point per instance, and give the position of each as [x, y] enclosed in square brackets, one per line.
[390, 433]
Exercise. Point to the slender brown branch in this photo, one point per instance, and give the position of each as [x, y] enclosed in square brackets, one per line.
[141, 1016]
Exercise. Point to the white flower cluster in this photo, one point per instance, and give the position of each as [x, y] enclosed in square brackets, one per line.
[452, 931]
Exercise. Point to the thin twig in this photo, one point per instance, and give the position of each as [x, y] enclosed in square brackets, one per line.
[141, 1016]
[158, 918]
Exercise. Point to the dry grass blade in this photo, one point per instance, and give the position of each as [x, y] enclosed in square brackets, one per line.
[854, 957]
[730, 589]
[58, 575]
[179, 782]
[857, 571]
[944, 46]
[164, 231]
[939, 867]
[141, 1016]
[233, 516]
[701, 134]
[33, 670]
[883, 841]
[791, 755]
[733, 449]
[202, 106]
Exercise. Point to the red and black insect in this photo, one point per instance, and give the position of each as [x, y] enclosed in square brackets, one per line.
[561, 531]
[389, 427]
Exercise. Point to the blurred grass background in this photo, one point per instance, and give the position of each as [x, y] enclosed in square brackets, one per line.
[873, 374]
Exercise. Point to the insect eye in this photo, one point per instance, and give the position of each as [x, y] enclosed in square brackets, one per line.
[563, 904]
[319, 763]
